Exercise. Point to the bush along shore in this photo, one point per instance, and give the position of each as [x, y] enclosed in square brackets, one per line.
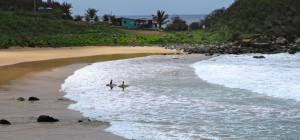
[255, 44]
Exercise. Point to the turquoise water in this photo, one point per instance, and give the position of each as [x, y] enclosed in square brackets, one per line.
[169, 98]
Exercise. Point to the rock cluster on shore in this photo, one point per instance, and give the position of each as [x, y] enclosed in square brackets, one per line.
[33, 99]
[44, 118]
[6, 122]
[256, 44]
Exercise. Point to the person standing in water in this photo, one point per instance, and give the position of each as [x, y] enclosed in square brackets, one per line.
[110, 84]
[123, 86]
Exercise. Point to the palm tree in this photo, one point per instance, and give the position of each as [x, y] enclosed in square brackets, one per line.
[66, 8]
[160, 18]
[91, 14]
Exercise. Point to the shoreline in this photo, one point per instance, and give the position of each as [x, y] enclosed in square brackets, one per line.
[45, 83]
[23, 114]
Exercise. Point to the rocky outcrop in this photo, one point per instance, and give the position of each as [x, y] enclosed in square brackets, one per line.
[255, 44]
[44, 118]
[246, 42]
[6, 122]
[261, 42]
[281, 41]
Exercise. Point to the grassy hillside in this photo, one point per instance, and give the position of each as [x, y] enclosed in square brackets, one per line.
[274, 17]
[44, 29]
[19, 26]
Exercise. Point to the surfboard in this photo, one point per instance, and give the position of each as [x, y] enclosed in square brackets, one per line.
[112, 85]
[120, 86]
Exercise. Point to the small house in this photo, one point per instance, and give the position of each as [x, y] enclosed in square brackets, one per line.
[126, 22]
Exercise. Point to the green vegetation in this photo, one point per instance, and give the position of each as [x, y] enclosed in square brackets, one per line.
[195, 26]
[106, 17]
[44, 29]
[20, 26]
[272, 17]
[27, 6]
[78, 18]
[177, 25]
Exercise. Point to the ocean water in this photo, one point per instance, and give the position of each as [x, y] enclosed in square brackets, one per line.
[180, 97]
[188, 18]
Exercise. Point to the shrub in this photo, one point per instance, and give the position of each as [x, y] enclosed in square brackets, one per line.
[177, 25]
[78, 18]
[195, 26]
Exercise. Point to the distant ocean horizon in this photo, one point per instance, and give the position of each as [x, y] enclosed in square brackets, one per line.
[188, 18]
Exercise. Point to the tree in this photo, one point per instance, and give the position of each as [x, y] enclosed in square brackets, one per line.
[78, 18]
[105, 17]
[160, 18]
[66, 9]
[91, 14]
[96, 18]
[113, 19]
[87, 17]
[177, 24]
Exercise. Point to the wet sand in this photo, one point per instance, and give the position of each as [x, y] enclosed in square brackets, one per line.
[43, 79]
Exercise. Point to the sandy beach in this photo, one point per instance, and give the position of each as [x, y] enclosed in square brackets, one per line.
[43, 79]
[16, 55]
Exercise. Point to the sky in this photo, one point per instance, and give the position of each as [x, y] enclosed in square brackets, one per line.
[147, 7]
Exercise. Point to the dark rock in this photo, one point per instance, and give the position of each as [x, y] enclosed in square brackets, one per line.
[258, 57]
[33, 99]
[290, 37]
[246, 42]
[292, 51]
[3, 121]
[44, 118]
[262, 42]
[256, 36]
[235, 43]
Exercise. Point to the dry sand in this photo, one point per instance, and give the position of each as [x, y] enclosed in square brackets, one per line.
[18, 54]
[43, 79]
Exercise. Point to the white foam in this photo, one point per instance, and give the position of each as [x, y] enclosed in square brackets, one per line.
[278, 75]
[163, 103]
[136, 113]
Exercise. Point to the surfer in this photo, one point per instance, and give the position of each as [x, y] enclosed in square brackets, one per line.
[111, 84]
[123, 85]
